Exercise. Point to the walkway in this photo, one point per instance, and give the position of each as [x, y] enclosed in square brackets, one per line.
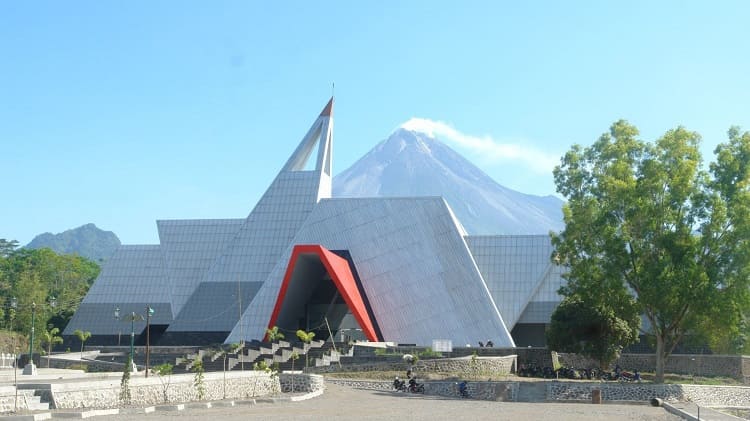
[342, 403]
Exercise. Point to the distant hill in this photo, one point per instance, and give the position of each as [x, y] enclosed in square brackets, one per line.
[87, 241]
[411, 163]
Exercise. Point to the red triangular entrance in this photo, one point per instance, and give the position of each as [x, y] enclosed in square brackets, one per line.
[338, 269]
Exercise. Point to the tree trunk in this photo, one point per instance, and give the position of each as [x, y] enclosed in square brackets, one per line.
[660, 360]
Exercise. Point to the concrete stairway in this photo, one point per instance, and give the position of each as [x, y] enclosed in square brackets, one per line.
[532, 392]
[271, 353]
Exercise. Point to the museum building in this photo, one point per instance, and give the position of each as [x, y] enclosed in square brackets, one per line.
[399, 269]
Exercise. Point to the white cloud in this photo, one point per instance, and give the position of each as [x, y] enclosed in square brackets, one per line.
[489, 149]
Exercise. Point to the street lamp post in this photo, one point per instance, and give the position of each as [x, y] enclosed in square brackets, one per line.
[133, 317]
[13, 306]
[149, 313]
[30, 368]
[132, 338]
[119, 329]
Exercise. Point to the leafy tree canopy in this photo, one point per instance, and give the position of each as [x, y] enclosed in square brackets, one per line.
[7, 247]
[273, 334]
[55, 283]
[645, 219]
[593, 330]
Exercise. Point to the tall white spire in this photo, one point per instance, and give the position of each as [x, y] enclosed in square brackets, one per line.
[320, 135]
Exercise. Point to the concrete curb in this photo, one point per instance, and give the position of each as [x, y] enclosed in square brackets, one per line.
[30, 417]
[136, 411]
[198, 405]
[307, 396]
[170, 408]
[85, 414]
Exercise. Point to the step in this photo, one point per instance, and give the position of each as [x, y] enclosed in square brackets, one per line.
[38, 406]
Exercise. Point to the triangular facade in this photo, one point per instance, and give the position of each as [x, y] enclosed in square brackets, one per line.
[403, 269]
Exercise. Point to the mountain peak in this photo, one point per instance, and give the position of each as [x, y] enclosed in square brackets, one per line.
[87, 240]
[417, 125]
[413, 162]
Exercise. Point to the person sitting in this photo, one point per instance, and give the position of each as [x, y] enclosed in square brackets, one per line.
[398, 384]
[489, 344]
[481, 345]
[463, 389]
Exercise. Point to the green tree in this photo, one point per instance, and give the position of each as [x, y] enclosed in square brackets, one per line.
[592, 330]
[164, 372]
[7, 247]
[50, 338]
[198, 382]
[30, 299]
[224, 351]
[82, 336]
[273, 334]
[307, 338]
[260, 366]
[125, 395]
[34, 276]
[294, 357]
[642, 219]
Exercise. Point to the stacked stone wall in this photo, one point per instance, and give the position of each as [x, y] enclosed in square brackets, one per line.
[301, 383]
[168, 389]
[733, 366]
[486, 365]
[489, 391]
[491, 366]
[719, 396]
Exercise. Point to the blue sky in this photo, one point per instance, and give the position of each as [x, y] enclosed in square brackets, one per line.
[121, 113]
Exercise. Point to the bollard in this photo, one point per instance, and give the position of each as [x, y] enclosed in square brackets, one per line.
[596, 396]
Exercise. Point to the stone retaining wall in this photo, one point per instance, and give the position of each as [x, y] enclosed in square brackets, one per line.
[720, 396]
[488, 391]
[734, 366]
[301, 383]
[151, 391]
[491, 366]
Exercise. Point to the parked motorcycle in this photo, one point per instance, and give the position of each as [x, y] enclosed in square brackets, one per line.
[415, 387]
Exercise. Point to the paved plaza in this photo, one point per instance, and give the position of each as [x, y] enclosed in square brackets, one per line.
[342, 403]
